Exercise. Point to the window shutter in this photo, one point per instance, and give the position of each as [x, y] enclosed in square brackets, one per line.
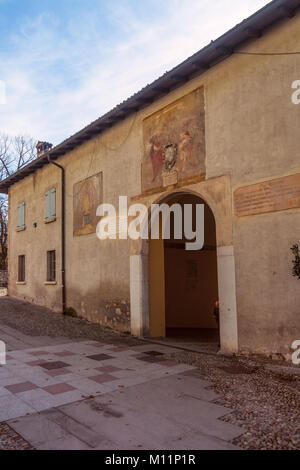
[21, 215]
[48, 205]
[51, 204]
[51, 266]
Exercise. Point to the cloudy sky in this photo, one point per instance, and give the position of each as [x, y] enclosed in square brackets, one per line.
[66, 62]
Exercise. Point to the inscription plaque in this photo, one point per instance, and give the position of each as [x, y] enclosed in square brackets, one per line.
[269, 196]
[170, 178]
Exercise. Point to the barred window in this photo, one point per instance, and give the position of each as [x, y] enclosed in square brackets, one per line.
[21, 268]
[51, 266]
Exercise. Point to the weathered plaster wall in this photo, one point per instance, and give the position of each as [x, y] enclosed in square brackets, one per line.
[98, 271]
[268, 297]
[35, 242]
[251, 134]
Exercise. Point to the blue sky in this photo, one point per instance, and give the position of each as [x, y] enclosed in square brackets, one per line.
[66, 62]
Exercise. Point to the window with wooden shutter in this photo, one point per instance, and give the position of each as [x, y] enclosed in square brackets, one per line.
[21, 268]
[21, 216]
[51, 205]
[51, 266]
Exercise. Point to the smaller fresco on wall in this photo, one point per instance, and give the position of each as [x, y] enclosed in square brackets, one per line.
[87, 196]
[174, 142]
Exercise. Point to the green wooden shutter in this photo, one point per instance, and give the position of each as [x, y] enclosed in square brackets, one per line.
[48, 205]
[51, 204]
[21, 215]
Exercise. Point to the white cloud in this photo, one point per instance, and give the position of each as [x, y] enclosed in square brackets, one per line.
[57, 83]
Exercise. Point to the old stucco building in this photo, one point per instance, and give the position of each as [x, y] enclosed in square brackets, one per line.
[229, 115]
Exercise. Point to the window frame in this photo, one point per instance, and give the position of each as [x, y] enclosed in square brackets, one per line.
[21, 268]
[51, 266]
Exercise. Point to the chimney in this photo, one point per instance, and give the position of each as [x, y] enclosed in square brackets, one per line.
[42, 148]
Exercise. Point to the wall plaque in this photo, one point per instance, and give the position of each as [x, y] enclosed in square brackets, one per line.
[269, 196]
[170, 178]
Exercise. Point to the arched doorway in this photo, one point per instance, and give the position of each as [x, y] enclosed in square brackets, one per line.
[183, 285]
[216, 192]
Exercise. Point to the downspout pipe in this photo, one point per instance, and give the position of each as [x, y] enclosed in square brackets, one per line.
[63, 234]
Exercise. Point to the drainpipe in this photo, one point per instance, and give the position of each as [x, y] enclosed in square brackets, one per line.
[63, 234]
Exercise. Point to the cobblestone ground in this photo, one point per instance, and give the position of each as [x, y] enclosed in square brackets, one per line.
[33, 320]
[10, 440]
[266, 403]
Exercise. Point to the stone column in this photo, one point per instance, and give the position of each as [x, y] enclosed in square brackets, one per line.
[139, 295]
[227, 296]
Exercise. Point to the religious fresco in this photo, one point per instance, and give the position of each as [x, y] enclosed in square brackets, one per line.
[88, 195]
[174, 142]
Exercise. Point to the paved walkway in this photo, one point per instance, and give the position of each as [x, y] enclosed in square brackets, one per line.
[64, 394]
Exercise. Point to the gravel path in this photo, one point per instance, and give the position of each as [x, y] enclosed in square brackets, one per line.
[265, 403]
[10, 440]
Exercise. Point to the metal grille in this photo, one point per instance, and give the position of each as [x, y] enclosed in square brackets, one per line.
[51, 266]
[21, 268]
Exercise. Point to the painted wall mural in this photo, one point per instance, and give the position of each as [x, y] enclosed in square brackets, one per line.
[174, 142]
[88, 195]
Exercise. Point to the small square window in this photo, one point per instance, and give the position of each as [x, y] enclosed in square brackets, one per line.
[21, 268]
[51, 266]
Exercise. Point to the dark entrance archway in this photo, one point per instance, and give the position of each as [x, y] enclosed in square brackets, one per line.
[184, 284]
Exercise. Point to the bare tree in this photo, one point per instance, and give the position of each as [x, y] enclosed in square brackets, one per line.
[15, 152]
[4, 149]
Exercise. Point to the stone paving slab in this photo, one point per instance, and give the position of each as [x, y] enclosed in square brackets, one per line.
[135, 418]
[13, 407]
[16, 340]
[65, 394]
[48, 376]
